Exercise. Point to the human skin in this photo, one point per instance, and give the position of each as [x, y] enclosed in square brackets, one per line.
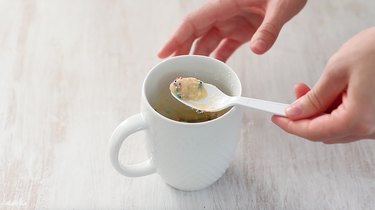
[340, 108]
[221, 26]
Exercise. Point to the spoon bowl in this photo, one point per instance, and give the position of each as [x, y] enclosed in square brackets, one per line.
[216, 100]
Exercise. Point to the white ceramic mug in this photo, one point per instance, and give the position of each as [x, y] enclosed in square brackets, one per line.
[188, 156]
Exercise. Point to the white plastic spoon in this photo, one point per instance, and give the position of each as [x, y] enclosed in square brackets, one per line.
[216, 100]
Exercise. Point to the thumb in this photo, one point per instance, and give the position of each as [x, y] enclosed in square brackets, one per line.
[319, 99]
[265, 36]
[277, 14]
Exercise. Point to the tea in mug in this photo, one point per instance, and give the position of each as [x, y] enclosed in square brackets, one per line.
[165, 104]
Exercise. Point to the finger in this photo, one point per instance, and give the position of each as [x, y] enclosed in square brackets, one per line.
[329, 87]
[300, 89]
[226, 49]
[326, 126]
[185, 48]
[236, 31]
[178, 40]
[277, 14]
[208, 42]
[265, 36]
[235, 28]
[197, 23]
[336, 103]
[336, 139]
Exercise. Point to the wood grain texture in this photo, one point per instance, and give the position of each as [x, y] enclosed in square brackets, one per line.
[71, 71]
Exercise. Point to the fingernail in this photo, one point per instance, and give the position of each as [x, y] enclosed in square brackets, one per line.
[259, 46]
[293, 110]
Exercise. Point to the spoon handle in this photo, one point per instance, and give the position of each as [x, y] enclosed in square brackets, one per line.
[268, 106]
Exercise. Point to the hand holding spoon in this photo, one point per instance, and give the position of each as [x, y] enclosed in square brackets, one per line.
[209, 98]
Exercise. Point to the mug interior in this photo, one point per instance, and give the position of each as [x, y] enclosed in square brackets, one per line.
[204, 68]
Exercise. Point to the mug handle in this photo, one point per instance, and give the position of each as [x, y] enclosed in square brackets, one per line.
[124, 130]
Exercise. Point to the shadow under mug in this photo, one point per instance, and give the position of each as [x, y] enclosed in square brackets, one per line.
[187, 156]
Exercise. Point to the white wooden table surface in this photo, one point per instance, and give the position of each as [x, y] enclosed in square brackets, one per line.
[71, 71]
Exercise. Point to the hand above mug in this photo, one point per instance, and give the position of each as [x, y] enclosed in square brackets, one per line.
[223, 26]
[341, 106]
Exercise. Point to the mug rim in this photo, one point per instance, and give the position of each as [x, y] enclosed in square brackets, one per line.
[231, 110]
